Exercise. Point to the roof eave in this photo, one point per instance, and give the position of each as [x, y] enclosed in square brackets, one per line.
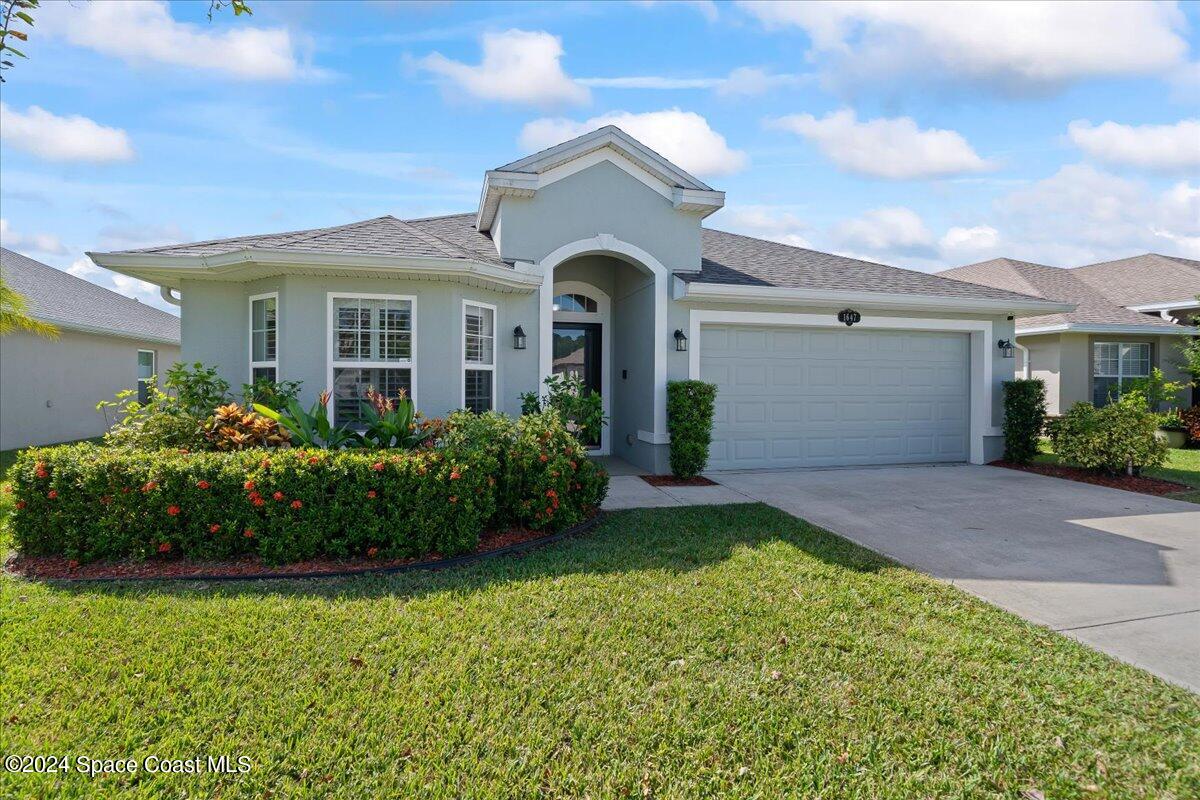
[1165, 305]
[167, 271]
[98, 330]
[696, 291]
[1114, 327]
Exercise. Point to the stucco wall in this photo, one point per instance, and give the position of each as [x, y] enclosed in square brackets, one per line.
[1044, 365]
[304, 336]
[49, 388]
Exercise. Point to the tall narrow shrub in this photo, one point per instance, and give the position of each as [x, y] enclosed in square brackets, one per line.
[1024, 416]
[690, 420]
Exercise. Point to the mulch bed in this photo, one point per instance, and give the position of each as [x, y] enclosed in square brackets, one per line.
[1130, 483]
[671, 480]
[491, 543]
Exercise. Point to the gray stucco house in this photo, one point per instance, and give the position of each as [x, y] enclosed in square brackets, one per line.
[1130, 316]
[590, 257]
[107, 343]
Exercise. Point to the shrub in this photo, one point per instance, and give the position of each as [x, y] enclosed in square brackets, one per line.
[88, 502]
[581, 410]
[269, 393]
[1024, 416]
[1191, 423]
[543, 478]
[690, 420]
[1117, 437]
[232, 427]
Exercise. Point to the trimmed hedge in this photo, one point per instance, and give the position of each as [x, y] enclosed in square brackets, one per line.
[87, 502]
[1024, 417]
[690, 421]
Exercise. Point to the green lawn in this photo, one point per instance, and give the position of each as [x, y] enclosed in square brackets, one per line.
[690, 652]
[1183, 466]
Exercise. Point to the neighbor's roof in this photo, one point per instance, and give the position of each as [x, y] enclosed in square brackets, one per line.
[1055, 283]
[727, 258]
[1145, 279]
[57, 297]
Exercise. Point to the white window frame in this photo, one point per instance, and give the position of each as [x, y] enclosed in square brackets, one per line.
[409, 363]
[1120, 373]
[274, 363]
[153, 369]
[473, 365]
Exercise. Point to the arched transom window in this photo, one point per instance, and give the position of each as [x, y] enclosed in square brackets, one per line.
[574, 302]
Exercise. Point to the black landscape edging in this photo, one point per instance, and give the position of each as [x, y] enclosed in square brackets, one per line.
[442, 563]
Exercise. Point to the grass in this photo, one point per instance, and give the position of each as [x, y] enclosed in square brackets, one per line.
[695, 652]
[1183, 466]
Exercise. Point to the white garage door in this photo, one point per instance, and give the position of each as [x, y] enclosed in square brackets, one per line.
[811, 397]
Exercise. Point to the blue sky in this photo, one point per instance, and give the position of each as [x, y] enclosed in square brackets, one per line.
[924, 136]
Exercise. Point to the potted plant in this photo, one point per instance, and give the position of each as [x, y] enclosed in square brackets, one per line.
[1171, 428]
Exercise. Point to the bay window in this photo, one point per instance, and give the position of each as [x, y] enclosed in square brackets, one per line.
[264, 337]
[1115, 365]
[479, 356]
[371, 348]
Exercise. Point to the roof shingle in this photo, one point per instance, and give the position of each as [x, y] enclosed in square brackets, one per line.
[1149, 278]
[57, 297]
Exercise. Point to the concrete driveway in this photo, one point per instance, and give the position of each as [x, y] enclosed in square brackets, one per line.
[1116, 570]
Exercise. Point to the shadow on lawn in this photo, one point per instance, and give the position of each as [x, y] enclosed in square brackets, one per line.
[676, 540]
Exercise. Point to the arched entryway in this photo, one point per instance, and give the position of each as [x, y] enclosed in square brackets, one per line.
[582, 342]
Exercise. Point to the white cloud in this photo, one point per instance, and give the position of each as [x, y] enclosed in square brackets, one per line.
[33, 242]
[682, 137]
[1164, 147]
[1081, 215]
[765, 222]
[968, 243]
[84, 268]
[521, 67]
[145, 32]
[892, 230]
[1014, 45]
[54, 138]
[743, 81]
[885, 148]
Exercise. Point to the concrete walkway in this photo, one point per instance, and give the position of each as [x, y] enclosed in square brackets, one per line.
[1116, 570]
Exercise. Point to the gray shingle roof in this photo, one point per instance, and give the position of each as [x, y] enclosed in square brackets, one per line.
[731, 258]
[727, 258]
[1149, 278]
[55, 296]
[1052, 283]
[382, 236]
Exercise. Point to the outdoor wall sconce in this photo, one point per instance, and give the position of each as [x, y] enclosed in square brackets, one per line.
[1006, 348]
[680, 341]
[519, 339]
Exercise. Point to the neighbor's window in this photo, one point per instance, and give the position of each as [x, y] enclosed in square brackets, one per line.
[264, 332]
[479, 356]
[145, 374]
[574, 302]
[1114, 366]
[372, 349]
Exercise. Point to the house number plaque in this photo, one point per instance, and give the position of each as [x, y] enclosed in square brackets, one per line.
[849, 316]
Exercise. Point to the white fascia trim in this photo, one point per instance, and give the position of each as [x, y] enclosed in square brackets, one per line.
[163, 270]
[1074, 327]
[78, 327]
[983, 346]
[717, 292]
[1146, 308]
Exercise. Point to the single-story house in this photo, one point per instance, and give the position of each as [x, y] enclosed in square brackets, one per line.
[107, 343]
[590, 257]
[1126, 321]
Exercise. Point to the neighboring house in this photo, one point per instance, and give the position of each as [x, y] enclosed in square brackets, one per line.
[107, 343]
[590, 258]
[1124, 322]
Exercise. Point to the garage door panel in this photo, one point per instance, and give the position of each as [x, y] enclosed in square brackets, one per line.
[792, 397]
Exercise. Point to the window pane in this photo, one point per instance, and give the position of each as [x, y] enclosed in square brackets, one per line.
[372, 330]
[478, 390]
[1106, 356]
[350, 388]
[1104, 391]
[1135, 360]
[258, 346]
[478, 335]
[145, 364]
[143, 388]
[262, 373]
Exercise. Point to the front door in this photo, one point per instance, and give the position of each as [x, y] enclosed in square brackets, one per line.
[577, 353]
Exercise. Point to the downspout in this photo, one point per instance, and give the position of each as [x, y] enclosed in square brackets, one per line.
[165, 292]
[1024, 359]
